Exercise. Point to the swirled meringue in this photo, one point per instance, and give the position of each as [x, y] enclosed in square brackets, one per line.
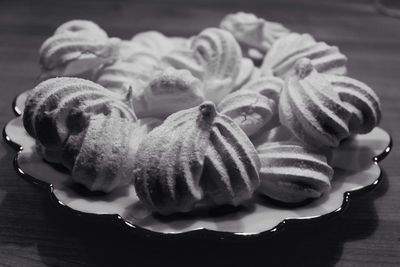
[270, 87]
[101, 157]
[82, 26]
[76, 49]
[284, 53]
[253, 32]
[181, 42]
[156, 42]
[246, 73]
[276, 133]
[220, 54]
[255, 106]
[361, 99]
[101, 163]
[195, 154]
[184, 59]
[292, 173]
[122, 75]
[60, 106]
[250, 110]
[312, 109]
[168, 91]
[131, 52]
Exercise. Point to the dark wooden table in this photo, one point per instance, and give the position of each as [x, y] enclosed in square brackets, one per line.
[34, 232]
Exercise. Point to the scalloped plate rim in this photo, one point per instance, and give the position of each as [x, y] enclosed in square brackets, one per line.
[201, 233]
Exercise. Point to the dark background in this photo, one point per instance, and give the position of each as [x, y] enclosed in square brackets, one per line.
[34, 232]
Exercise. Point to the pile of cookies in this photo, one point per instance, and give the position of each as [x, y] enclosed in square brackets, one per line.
[245, 108]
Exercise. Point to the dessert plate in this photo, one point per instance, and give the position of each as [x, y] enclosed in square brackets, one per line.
[355, 163]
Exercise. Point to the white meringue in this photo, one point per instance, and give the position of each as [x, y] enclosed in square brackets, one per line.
[76, 49]
[361, 99]
[184, 59]
[83, 27]
[285, 52]
[250, 110]
[168, 91]
[102, 157]
[312, 109]
[60, 106]
[122, 75]
[270, 87]
[253, 32]
[246, 73]
[292, 173]
[220, 54]
[101, 163]
[195, 154]
[159, 44]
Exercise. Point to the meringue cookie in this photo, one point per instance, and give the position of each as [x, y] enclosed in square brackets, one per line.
[195, 154]
[246, 73]
[131, 51]
[362, 100]
[184, 59]
[60, 106]
[253, 32]
[312, 109]
[284, 53]
[170, 161]
[169, 91]
[274, 133]
[292, 173]
[122, 75]
[101, 163]
[250, 110]
[75, 49]
[270, 87]
[130, 133]
[159, 44]
[181, 42]
[82, 27]
[231, 166]
[220, 54]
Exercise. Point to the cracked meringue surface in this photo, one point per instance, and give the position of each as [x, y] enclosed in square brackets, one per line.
[195, 153]
[250, 110]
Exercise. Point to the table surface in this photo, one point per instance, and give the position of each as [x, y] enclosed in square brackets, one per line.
[34, 232]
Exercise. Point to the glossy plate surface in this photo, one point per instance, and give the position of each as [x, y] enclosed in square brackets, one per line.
[355, 164]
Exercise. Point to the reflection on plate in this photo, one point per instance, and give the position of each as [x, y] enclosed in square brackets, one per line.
[355, 163]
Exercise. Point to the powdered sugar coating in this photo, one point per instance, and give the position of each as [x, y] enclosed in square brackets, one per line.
[284, 53]
[292, 173]
[59, 106]
[312, 109]
[175, 161]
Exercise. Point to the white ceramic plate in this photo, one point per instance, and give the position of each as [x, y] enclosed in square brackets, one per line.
[355, 164]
